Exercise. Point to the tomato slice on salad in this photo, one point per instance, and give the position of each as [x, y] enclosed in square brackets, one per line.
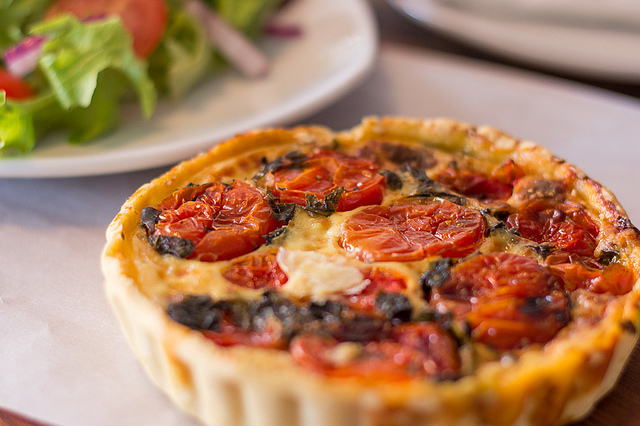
[14, 87]
[146, 20]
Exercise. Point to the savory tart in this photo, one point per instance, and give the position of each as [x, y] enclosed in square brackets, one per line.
[402, 272]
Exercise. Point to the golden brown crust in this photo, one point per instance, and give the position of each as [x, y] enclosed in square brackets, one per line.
[554, 384]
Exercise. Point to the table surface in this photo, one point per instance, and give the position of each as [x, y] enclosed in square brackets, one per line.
[621, 406]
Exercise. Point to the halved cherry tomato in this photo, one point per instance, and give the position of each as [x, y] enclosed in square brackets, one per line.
[415, 350]
[325, 172]
[472, 184]
[508, 173]
[507, 299]
[498, 274]
[188, 193]
[380, 279]
[583, 272]
[508, 322]
[498, 186]
[565, 225]
[145, 20]
[412, 230]
[256, 271]
[228, 335]
[15, 87]
[430, 339]
[224, 221]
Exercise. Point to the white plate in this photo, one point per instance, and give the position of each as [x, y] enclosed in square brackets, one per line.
[587, 51]
[336, 49]
[67, 339]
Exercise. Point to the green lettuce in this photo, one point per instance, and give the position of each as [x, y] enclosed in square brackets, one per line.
[16, 16]
[183, 57]
[247, 16]
[77, 52]
[84, 71]
[17, 134]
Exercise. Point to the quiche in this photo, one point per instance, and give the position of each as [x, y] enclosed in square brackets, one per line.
[403, 272]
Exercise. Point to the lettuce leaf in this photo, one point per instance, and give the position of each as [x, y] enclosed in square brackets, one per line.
[16, 16]
[86, 69]
[247, 16]
[17, 134]
[77, 52]
[183, 57]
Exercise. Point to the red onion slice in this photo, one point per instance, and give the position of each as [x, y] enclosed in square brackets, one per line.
[233, 45]
[276, 29]
[22, 58]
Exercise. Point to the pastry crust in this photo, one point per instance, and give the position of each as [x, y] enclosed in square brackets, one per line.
[551, 384]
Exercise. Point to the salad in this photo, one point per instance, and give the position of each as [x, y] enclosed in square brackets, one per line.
[67, 65]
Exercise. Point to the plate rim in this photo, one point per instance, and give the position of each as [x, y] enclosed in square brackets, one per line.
[497, 37]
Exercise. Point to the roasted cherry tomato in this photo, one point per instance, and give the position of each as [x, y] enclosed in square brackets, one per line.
[585, 273]
[412, 230]
[507, 323]
[223, 222]
[256, 271]
[380, 279]
[228, 335]
[508, 173]
[414, 350]
[188, 193]
[474, 184]
[14, 87]
[498, 186]
[567, 226]
[145, 20]
[324, 173]
[507, 299]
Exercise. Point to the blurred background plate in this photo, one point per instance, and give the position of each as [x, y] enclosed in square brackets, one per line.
[594, 51]
[337, 48]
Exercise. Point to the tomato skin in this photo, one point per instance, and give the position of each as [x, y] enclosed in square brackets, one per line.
[188, 193]
[414, 350]
[577, 272]
[229, 335]
[223, 222]
[508, 173]
[327, 171]
[14, 87]
[497, 186]
[190, 220]
[568, 227]
[430, 339]
[145, 20]
[499, 274]
[507, 323]
[474, 184]
[412, 230]
[381, 279]
[507, 299]
[256, 272]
